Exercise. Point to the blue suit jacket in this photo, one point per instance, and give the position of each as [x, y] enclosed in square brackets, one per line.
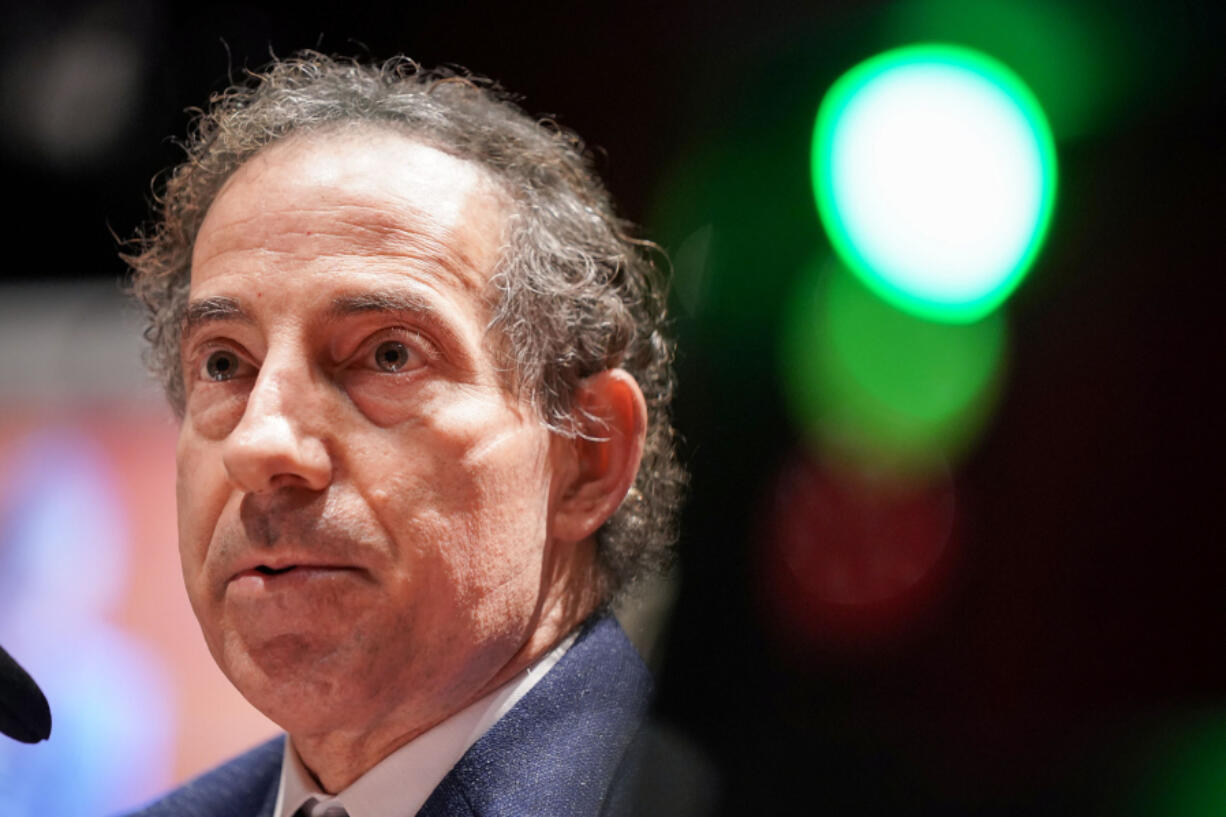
[563, 749]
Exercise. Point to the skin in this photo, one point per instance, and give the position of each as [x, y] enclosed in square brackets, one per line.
[347, 427]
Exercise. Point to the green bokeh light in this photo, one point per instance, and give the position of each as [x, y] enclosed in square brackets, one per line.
[1183, 770]
[935, 175]
[1080, 59]
[885, 386]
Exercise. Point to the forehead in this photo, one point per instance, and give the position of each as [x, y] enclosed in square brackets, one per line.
[353, 193]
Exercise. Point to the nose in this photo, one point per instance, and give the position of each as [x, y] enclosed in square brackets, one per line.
[277, 442]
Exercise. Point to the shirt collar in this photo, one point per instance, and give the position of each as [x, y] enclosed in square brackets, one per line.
[400, 784]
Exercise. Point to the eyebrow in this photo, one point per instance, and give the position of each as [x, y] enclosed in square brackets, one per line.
[346, 305]
[221, 308]
[211, 310]
[404, 303]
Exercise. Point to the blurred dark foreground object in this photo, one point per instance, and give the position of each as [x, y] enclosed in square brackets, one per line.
[24, 713]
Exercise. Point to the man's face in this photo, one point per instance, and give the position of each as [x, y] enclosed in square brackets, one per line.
[364, 510]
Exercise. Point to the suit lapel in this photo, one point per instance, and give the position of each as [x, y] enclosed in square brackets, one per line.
[270, 796]
[558, 750]
[244, 787]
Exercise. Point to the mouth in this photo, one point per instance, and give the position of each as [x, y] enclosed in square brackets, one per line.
[265, 573]
[274, 571]
[298, 580]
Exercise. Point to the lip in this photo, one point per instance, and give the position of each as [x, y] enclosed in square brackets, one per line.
[282, 565]
[248, 586]
[275, 573]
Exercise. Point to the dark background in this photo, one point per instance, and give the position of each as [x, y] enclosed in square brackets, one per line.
[1073, 660]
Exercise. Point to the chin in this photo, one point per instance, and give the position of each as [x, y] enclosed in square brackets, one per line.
[286, 678]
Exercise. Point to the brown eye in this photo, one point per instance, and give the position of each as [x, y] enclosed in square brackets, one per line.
[391, 356]
[221, 365]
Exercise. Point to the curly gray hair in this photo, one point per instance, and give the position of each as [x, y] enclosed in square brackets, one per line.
[573, 294]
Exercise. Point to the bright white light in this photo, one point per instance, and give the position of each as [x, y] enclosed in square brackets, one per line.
[938, 175]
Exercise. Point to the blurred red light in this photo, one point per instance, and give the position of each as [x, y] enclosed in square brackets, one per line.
[851, 558]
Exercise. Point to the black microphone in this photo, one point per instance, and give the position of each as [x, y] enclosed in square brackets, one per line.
[24, 713]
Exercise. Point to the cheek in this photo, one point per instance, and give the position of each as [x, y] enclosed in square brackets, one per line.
[199, 495]
[470, 497]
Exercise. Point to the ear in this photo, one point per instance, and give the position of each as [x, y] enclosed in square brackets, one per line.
[602, 463]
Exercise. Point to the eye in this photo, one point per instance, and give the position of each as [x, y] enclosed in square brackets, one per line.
[391, 356]
[221, 365]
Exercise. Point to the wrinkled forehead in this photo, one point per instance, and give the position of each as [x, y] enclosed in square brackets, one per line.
[373, 188]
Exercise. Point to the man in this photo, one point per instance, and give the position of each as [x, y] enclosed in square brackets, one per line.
[424, 441]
